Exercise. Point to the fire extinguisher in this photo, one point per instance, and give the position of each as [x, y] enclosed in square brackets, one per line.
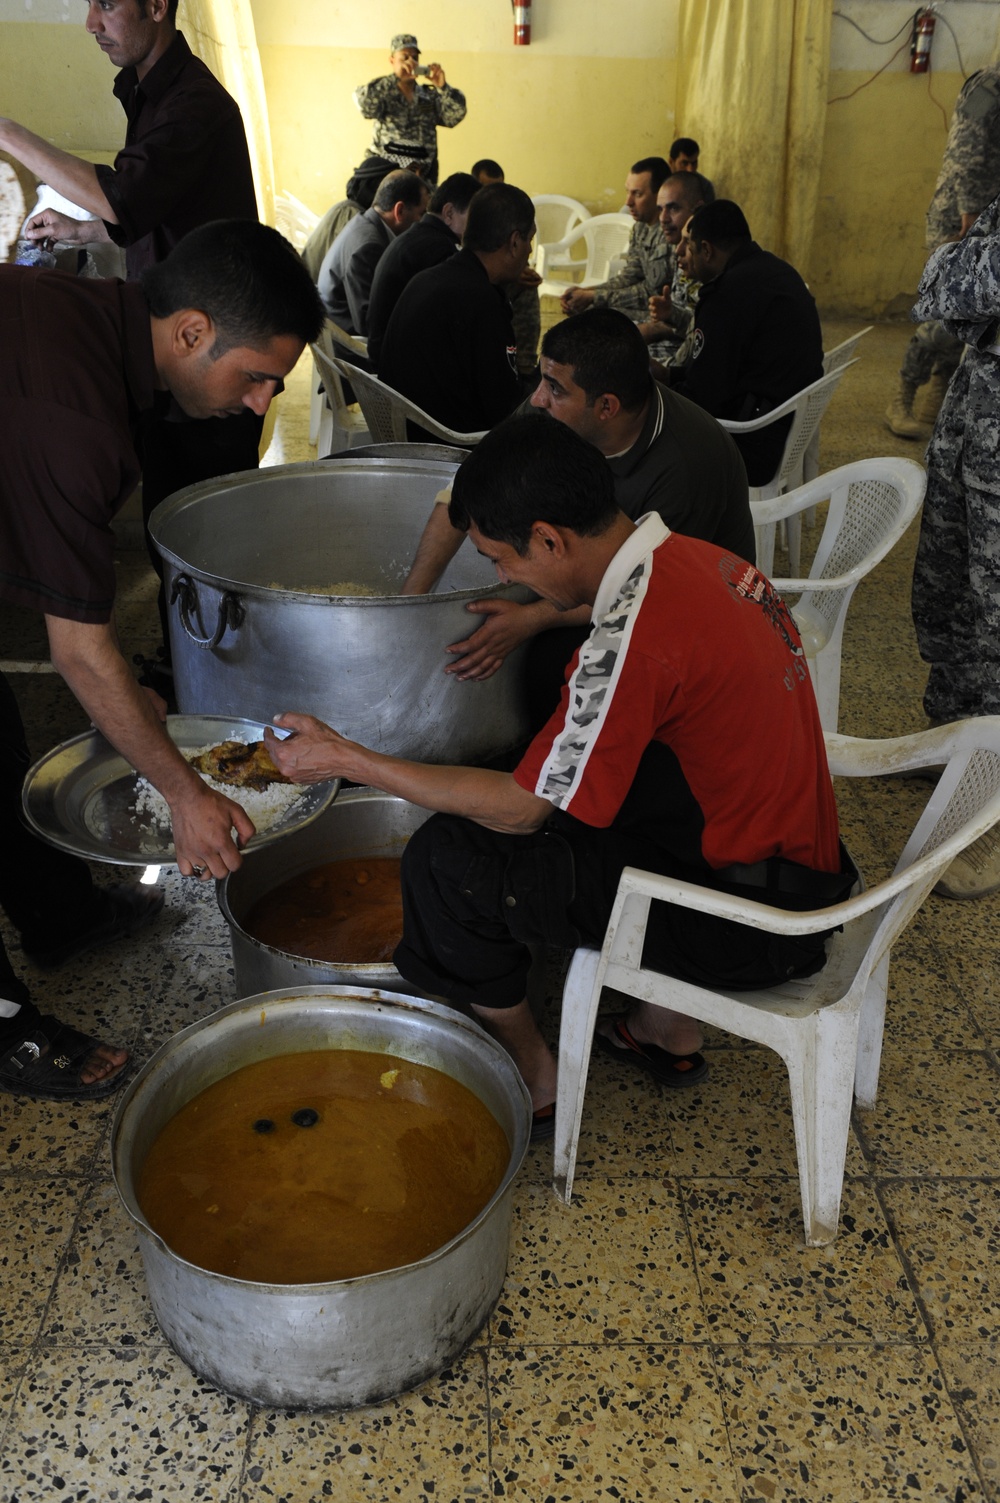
[522, 22]
[920, 46]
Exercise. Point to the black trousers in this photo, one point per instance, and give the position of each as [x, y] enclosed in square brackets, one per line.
[45, 893]
[473, 901]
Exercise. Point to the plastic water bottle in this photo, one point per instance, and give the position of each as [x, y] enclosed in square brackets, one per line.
[33, 253]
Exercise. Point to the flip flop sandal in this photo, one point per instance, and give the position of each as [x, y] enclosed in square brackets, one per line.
[46, 1063]
[543, 1123]
[674, 1070]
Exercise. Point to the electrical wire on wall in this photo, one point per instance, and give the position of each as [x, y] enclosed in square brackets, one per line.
[910, 27]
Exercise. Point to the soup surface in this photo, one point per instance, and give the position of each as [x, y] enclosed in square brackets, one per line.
[324, 1165]
[344, 911]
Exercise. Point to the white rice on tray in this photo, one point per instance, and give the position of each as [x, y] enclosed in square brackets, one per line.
[266, 806]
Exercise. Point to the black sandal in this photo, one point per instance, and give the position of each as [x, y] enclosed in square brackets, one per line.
[46, 1062]
[671, 1070]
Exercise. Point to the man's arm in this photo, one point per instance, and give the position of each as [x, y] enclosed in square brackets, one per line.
[315, 752]
[438, 545]
[371, 98]
[68, 175]
[961, 281]
[88, 658]
[449, 103]
[507, 624]
[358, 276]
[51, 225]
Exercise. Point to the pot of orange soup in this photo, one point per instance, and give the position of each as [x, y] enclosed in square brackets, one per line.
[291, 1164]
[322, 904]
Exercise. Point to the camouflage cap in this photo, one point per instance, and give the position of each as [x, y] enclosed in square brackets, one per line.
[404, 39]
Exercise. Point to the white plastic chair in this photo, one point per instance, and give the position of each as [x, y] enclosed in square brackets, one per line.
[872, 503]
[340, 426]
[605, 236]
[555, 216]
[333, 340]
[806, 408]
[841, 354]
[294, 219]
[386, 412]
[828, 1027]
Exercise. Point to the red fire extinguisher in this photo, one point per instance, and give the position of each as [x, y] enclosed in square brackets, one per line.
[920, 47]
[522, 22]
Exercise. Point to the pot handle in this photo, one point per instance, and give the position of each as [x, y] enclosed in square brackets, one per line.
[231, 612]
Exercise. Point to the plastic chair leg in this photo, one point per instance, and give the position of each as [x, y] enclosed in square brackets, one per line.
[871, 1025]
[821, 1063]
[580, 999]
[317, 403]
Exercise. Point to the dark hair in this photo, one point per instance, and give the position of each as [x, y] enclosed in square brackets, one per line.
[722, 223]
[363, 184]
[605, 352]
[694, 185]
[530, 469]
[487, 165]
[456, 190]
[685, 145]
[399, 187]
[658, 170]
[248, 279]
[496, 212]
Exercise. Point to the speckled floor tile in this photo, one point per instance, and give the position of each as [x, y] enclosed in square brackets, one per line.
[831, 1425]
[38, 1220]
[104, 993]
[760, 1282]
[934, 1112]
[47, 1137]
[972, 1373]
[100, 1293]
[616, 1265]
[200, 981]
[925, 1009]
[739, 1120]
[427, 1446]
[949, 1230]
[198, 919]
[974, 971]
[592, 1423]
[121, 1426]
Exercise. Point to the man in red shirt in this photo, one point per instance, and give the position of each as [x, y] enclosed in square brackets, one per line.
[687, 741]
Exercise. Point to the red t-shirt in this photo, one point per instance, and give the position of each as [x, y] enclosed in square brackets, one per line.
[691, 646]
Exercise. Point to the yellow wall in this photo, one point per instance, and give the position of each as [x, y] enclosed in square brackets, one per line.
[881, 156]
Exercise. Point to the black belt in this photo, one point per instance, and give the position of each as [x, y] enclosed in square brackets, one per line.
[777, 874]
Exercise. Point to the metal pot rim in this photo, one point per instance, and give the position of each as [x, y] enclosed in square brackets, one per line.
[253, 1004]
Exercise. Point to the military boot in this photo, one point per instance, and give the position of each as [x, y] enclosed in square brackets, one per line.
[928, 403]
[899, 413]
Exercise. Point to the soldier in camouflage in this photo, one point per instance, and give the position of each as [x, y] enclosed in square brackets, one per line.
[671, 313]
[969, 179]
[647, 262]
[956, 577]
[407, 116]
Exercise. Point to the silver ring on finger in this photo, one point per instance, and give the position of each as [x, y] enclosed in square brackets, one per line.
[199, 871]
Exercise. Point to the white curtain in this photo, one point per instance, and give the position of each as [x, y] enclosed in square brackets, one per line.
[752, 90]
[221, 33]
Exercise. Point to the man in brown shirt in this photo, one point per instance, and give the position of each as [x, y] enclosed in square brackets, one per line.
[218, 325]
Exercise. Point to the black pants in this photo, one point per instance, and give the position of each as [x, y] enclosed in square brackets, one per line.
[177, 451]
[473, 900]
[47, 894]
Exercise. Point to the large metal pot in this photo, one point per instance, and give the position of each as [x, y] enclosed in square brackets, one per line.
[356, 1341]
[245, 557]
[362, 822]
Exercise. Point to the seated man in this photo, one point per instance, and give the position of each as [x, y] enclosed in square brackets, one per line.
[654, 759]
[360, 193]
[646, 266]
[524, 301]
[671, 312]
[683, 157]
[757, 337]
[345, 278]
[449, 344]
[663, 455]
[433, 239]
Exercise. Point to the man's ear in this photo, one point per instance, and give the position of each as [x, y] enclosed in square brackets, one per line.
[158, 9]
[192, 332]
[607, 406]
[549, 538]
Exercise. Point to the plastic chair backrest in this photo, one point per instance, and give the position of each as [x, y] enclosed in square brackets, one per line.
[386, 411]
[294, 219]
[556, 215]
[842, 353]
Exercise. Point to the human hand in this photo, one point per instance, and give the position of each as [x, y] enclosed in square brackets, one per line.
[435, 75]
[530, 277]
[660, 309]
[507, 624]
[576, 299]
[313, 753]
[203, 823]
[51, 225]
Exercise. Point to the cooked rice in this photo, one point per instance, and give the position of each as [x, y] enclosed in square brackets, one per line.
[266, 806]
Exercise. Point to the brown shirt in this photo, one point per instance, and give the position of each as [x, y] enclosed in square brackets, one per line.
[185, 158]
[76, 369]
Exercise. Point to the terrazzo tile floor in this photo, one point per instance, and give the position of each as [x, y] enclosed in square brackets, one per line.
[668, 1336]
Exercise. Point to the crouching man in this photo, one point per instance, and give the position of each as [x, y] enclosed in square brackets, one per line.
[686, 742]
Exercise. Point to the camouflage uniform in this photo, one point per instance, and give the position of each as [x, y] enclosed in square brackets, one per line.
[646, 271]
[406, 130]
[956, 578]
[527, 314]
[969, 179]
